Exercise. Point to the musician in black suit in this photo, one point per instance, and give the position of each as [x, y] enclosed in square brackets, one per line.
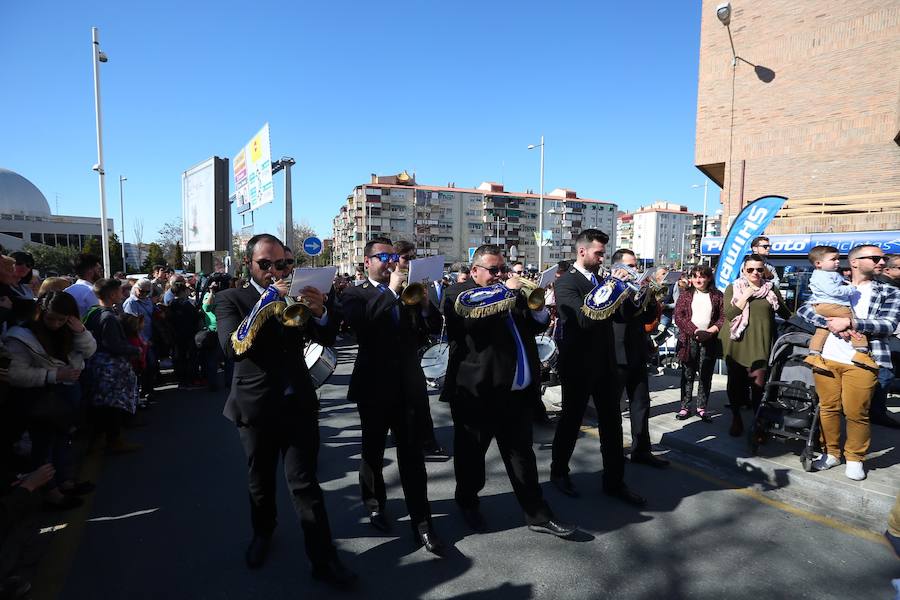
[388, 387]
[587, 367]
[632, 354]
[274, 406]
[493, 376]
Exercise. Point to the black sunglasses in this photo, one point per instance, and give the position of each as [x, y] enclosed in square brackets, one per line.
[385, 256]
[757, 269]
[494, 271]
[265, 264]
[289, 261]
[874, 259]
[764, 246]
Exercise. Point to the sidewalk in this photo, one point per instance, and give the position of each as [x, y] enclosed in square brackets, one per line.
[777, 468]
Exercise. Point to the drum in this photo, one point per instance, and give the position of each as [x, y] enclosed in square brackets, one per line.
[321, 362]
[547, 352]
[434, 364]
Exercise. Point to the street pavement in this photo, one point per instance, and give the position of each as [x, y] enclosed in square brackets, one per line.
[702, 534]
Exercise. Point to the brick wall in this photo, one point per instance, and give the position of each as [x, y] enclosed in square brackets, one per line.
[824, 126]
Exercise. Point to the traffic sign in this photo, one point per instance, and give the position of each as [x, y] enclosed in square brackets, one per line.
[312, 246]
[471, 253]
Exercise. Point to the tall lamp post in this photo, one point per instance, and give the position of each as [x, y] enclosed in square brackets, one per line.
[703, 222]
[540, 256]
[122, 180]
[98, 56]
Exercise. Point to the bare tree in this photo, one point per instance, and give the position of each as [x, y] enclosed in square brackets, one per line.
[138, 230]
[302, 230]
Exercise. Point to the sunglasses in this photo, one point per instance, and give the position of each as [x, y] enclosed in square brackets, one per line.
[757, 269]
[874, 259]
[289, 261]
[494, 271]
[766, 246]
[385, 257]
[265, 264]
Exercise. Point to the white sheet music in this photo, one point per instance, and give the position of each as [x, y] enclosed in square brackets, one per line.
[426, 270]
[320, 278]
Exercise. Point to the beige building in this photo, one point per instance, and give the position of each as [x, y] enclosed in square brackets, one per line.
[450, 221]
[810, 110]
[661, 233]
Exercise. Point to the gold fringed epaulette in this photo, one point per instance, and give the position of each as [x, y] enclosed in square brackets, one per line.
[267, 306]
[602, 301]
[485, 301]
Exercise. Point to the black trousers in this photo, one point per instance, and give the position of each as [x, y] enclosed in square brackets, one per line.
[426, 423]
[742, 390]
[702, 362]
[576, 388]
[296, 440]
[402, 416]
[506, 416]
[633, 380]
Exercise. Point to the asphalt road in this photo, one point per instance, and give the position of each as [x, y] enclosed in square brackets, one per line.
[697, 538]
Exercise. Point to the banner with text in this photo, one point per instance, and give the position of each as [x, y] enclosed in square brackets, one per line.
[252, 168]
[751, 222]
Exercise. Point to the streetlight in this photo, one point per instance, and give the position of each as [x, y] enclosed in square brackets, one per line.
[497, 220]
[98, 56]
[540, 255]
[122, 216]
[703, 222]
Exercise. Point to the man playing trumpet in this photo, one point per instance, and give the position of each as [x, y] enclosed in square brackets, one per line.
[388, 387]
[274, 405]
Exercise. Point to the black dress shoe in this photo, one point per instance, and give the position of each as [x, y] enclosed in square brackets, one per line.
[474, 520]
[564, 484]
[335, 574]
[553, 528]
[257, 551]
[427, 537]
[627, 496]
[647, 458]
[379, 521]
[436, 451]
[884, 421]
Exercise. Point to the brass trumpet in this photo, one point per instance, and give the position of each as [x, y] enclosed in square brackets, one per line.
[536, 296]
[412, 293]
[295, 312]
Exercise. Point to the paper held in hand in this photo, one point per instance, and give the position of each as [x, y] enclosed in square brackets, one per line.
[426, 270]
[547, 277]
[320, 278]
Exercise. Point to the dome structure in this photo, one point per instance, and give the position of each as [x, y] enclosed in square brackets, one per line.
[18, 196]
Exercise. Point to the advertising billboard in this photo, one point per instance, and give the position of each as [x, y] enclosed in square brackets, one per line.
[204, 207]
[252, 171]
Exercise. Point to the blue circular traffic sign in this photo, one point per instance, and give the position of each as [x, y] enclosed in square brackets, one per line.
[312, 246]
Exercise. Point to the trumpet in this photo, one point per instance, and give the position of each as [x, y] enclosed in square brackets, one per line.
[535, 296]
[413, 292]
[295, 313]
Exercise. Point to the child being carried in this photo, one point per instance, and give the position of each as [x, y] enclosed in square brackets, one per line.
[831, 298]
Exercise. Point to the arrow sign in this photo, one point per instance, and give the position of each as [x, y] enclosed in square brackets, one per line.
[312, 246]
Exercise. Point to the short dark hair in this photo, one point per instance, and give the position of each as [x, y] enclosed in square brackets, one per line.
[23, 258]
[617, 256]
[855, 252]
[159, 268]
[61, 303]
[178, 288]
[287, 248]
[84, 263]
[259, 237]
[464, 269]
[376, 240]
[403, 246]
[486, 249]
[703, 271]
[820, 252]
[563, 266]
[516, 263]
[588, 236]
[753, 257]
[104, 287]
[755, 242]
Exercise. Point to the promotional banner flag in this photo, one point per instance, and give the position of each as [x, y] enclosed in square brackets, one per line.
[751, 222]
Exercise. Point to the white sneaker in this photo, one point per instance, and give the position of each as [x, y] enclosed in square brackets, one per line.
[825, 462]
[855, 470]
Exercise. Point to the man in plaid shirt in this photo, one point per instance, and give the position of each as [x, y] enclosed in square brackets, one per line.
[848, 388]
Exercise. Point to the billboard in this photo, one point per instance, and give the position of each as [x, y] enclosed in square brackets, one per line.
[800, 244]
[252, 170]
[205, 216]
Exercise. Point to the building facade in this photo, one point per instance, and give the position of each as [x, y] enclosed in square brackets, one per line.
[810, 110]
[661, 234]
[450, 221]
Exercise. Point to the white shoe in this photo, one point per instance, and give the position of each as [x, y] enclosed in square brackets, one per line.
[825, 462]
[855, 470]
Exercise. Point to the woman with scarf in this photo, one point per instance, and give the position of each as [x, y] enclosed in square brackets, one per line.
[47, 357]
[751, 303]
[699, 316]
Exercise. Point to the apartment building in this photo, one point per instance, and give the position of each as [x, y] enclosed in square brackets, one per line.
[661, 234]
[450, 221]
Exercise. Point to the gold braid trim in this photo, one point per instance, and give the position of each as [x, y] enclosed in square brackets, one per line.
[478, 312]
[269, 310]
[600, 314]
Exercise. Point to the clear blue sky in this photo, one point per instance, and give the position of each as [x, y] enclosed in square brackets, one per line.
[452, 90]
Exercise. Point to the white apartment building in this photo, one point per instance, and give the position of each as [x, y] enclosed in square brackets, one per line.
[662, 234]
[625, 230]
[451, 221]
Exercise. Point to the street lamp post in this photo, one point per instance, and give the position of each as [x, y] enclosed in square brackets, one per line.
[98, 57]
[703, 222]
[122, 217]
[540, 256]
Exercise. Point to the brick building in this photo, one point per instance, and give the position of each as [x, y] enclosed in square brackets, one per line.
[816, 116]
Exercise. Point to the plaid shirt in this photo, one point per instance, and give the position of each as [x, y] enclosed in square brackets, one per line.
[879, 326]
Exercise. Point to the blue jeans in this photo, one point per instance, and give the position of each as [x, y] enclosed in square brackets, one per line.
[879, 397]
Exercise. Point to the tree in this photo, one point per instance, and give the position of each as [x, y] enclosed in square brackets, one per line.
[93, 246]
[138, 231]
[169, 237]
[154, 257]
[177, 256]
[56, 259]
[302, 231]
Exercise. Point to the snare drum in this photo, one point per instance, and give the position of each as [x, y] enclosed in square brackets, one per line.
[321, 362]
[547, 352]
[434, 364]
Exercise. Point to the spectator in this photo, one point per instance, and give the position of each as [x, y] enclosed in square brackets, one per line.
[54, 284]
[207, 342]
[698, 316]
[751, 303]
[761, 247]
[17, 531]
[139, 304]
[112, 386]
[48, 356]
[183, 318]
[878, 412]
[463, 274]
[160, 279]
[360, 276]
[169, 295]
[133, 326]
[89, 269]
[24, 271]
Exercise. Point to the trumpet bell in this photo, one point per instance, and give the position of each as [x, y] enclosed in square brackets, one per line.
[413, 294]
[536, 297]
[294, 314]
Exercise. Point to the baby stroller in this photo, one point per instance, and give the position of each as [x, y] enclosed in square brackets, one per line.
[790, 408]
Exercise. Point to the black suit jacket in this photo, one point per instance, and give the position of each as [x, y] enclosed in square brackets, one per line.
[483, 351]
[387, 362]
[274, 362]
[586, 345]
[631, 340]
[435, 318]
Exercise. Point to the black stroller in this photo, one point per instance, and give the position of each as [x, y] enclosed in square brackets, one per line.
[790, 408]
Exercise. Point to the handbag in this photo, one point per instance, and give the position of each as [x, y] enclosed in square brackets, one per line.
[204, 339]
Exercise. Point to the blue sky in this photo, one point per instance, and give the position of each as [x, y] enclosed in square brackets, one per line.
[452, 90]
